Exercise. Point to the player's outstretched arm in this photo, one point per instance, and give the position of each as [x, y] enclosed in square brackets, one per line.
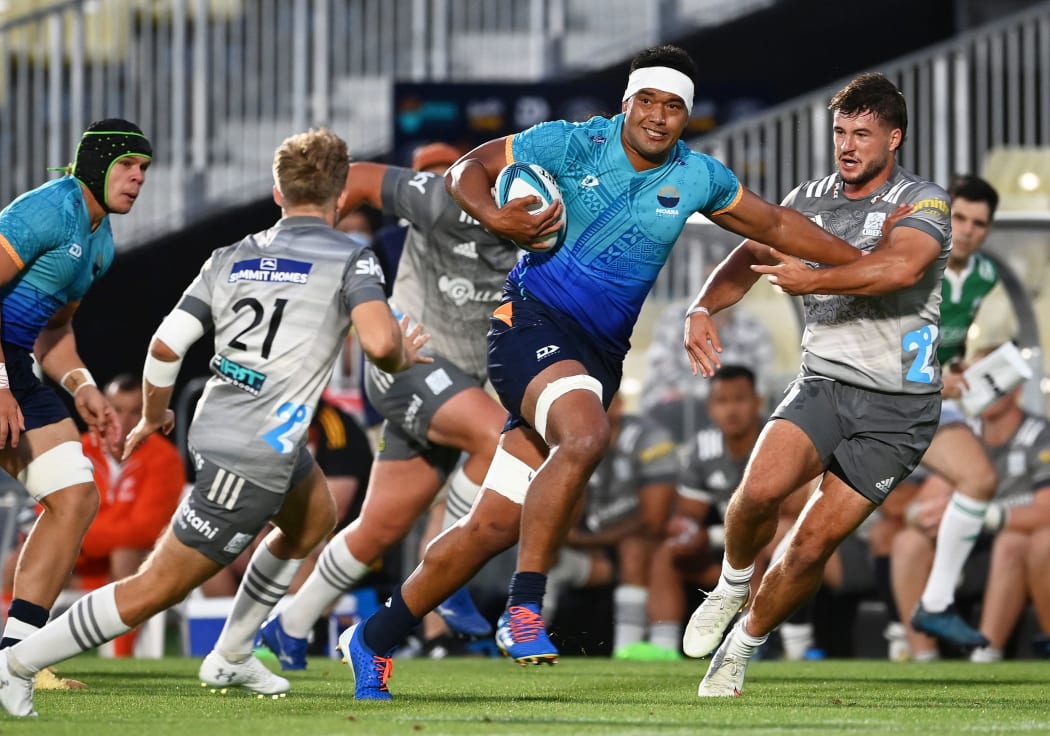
[785, 229]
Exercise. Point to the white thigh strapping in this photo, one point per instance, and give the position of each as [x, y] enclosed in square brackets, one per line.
[62, 466]
[558, 388]
[508, 476]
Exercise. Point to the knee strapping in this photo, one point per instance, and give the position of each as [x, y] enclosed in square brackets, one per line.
[508, 476]
[558, 388]
[62, 466]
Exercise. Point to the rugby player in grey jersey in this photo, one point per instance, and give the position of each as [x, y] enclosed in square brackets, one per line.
[450, 277]
[281, 303]
[866, 403]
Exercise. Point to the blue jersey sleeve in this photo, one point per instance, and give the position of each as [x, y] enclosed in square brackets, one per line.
[544, 144]
[725, 188]
[29, 228]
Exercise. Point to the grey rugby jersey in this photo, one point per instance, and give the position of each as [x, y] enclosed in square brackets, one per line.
[452, 270]
[1023, 462]
[644, 454]
[280, 304]
[882, 343]
[709, 473]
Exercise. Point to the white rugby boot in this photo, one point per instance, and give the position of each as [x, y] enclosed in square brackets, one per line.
[725, 674]
[710, 620]
[16, 693]
[219, 673]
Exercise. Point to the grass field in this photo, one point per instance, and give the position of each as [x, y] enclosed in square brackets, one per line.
[578, 696]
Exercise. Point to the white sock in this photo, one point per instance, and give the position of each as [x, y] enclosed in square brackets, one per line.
[337, 571]
[264, 583]
[91, 621]
[797, 639]
[959, 529]
[742, 644]
[986, 654]
[18, 629]
[735, 580]
[461, 494]
[631, 619]
[666, 634]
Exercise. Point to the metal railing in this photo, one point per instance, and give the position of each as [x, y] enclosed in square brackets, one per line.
[217, 84]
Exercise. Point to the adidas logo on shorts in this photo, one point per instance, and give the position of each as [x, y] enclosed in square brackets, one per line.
[885, 484]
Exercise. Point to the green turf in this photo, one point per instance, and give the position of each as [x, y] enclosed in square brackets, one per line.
[578, 696]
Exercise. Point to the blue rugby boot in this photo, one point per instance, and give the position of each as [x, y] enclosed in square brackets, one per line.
[947, 625]
[522, 635]
[290, 650]
[462, 616]
[371, 670]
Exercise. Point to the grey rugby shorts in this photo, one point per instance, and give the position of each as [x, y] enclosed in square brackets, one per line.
[869, 439]
[408, 401]
[225, 511]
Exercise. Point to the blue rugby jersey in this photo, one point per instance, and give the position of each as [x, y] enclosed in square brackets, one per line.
[622, 223]
[47, 232]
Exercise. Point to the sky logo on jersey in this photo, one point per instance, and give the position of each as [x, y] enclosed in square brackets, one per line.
[272, 270]
[668, 197]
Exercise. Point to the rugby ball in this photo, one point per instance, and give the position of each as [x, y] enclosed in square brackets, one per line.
[522, 180]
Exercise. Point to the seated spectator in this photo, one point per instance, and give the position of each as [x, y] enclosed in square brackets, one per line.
[671, 394]
[624, 512]
[1014, 546]
[713, 465]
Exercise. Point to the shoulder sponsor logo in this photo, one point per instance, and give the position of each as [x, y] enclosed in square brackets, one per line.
[370, 267]
[885, 484]
[589, 181]
[546, 351]
[270, 270]
[932, 205]
[873, 225]
[468, 249]
[419, 181]
[75, 250]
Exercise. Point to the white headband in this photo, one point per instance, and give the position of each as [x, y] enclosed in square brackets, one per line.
[664, 79]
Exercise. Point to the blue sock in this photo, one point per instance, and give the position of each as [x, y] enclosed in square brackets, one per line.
[27, 613]
[527, 587]
[390, 625]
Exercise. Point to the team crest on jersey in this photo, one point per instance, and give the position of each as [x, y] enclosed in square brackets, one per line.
[272, 270]
[873, 225]
[668, 197]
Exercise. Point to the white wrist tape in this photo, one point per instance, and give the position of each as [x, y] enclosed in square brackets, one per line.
[86, 380]
[161, 373]
[4, 381]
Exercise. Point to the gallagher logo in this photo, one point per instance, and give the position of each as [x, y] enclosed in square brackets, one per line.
[668, 197]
